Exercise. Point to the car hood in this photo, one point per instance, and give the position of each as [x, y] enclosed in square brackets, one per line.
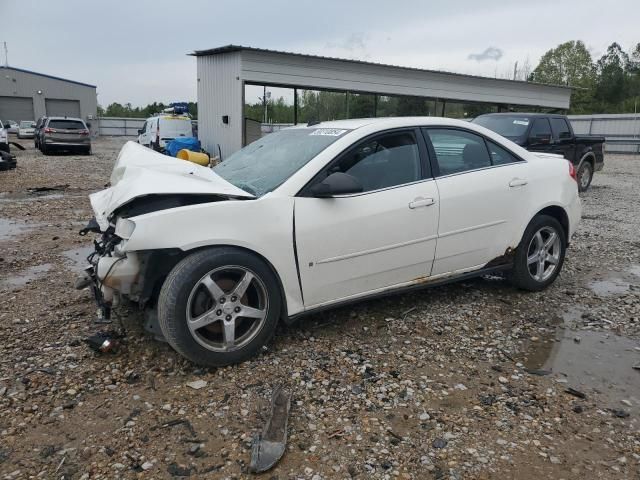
[139, 172]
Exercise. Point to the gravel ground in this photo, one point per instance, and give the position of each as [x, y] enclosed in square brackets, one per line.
[464, 381]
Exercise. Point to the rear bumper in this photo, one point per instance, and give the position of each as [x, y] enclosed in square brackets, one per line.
[57, 143]
[574, 212]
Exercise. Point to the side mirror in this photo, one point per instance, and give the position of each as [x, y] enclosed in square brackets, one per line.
[540, 139]
[337, 183]
[140, 130]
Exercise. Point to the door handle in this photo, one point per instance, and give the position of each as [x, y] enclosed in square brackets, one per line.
[421, 202]
[517, 182]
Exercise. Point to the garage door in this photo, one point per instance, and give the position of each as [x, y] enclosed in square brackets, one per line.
[62, 108]
[16, 108]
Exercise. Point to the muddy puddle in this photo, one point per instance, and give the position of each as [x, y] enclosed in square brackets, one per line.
[12, 228]
[76, 258]
[24, 277]
[589, 361]
[34, 194]
[616, 283]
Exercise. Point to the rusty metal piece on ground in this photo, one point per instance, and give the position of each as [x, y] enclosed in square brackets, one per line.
[575, 393]
[173, 423]
[269, 446]
[103, 342]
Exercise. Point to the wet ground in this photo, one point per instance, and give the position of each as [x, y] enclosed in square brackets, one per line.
[472, 380]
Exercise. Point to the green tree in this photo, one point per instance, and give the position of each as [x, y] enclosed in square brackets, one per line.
[612, 84]
[570, 64]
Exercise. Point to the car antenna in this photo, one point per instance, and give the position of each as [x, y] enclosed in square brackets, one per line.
[313, 122]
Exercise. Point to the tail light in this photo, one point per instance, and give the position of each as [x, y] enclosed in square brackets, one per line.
[83, 132]
[49, 130]
[572, 171]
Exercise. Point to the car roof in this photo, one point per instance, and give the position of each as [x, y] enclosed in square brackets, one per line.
[65, 118]
[382, 122]
[521, 114]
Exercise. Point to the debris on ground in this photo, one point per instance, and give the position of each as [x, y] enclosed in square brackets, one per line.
[269, 446]
[103, 342]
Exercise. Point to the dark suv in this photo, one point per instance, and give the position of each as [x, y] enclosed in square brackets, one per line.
[64, 133]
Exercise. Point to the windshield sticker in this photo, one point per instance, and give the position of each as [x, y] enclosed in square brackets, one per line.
[521, 122]
[330, 132]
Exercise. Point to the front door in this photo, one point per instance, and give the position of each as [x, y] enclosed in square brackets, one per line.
[482, 189]
[351, 245]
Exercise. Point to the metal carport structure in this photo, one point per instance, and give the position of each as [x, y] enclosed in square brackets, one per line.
[223, 73]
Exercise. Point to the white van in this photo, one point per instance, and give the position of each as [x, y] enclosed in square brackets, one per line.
[161, 129]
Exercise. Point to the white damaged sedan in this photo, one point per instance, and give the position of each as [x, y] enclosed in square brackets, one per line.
[320, 215]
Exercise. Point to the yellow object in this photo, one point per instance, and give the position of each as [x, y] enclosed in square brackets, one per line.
[195, 157]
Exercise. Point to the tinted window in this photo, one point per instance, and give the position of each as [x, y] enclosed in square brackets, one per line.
[383, 162]
[66, 124]
[500, 155]
[266, 163]
[505, 125]
[458, 151]
[540, 127]
[560, 128]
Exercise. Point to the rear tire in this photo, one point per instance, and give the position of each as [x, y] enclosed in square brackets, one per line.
[44, 149]
[206, 289]
[5, 147]
[585, 176]
[540, 255]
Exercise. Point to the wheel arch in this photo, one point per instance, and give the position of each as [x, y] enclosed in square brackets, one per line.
[560, 214]
[173, 256]
[590, 157]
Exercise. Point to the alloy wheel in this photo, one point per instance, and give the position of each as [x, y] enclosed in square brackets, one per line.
[543, 254]
[227, 308]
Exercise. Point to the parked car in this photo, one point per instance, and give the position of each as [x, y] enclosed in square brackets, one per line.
[159, 130]
[316, 216]
[64, 133]
[4, 138]
[26, 129]
[7, 161]
[539, 132]
[12, 126]
[37, 131]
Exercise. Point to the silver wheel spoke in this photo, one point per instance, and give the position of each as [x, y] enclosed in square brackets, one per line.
[552, 259]
[229, 333]
[540, 270]
[251, 312]
[213, 288]
[538, 240]
[532, 259]
[203, 320]
[550, 241]
[243, 284]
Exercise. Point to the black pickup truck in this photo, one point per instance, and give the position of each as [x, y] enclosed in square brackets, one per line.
[550, 133]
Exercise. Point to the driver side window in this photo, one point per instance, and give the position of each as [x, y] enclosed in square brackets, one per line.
[382, 162]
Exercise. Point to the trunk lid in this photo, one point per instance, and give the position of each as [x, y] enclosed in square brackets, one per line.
[140, 171]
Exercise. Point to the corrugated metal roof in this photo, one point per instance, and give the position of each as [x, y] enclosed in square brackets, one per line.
[239, 48]
[47, 76]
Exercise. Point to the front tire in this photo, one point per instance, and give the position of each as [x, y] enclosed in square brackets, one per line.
[540, 255]
[219, 306]
[585, 175]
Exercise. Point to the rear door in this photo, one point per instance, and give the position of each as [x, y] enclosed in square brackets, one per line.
[482, 187]
[564, 142]
[351, 245]
[540, 136]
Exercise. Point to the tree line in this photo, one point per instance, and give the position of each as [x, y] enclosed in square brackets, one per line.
[129, 111]
[610, 84]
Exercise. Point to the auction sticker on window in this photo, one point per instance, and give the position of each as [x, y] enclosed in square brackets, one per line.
[521, 122]
[329, 132]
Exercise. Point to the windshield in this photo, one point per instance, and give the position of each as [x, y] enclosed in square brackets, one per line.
[266, 163]
[26, 124]
[505, 125]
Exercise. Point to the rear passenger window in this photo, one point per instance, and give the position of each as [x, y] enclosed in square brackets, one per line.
[560, 128]
[540, 128]
[458, 151]
[499, 155]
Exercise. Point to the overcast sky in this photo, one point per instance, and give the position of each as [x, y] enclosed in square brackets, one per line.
[136, 50]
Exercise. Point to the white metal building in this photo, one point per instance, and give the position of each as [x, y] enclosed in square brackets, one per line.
[223, 73]
[27, 95]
